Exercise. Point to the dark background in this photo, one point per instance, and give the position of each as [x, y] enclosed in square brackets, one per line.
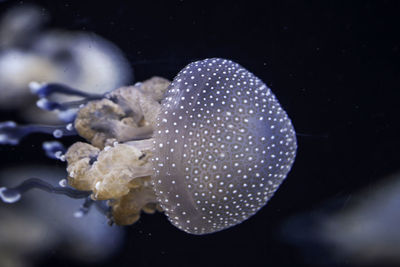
[334, 66]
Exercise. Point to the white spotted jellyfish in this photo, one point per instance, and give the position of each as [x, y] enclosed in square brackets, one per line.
[209, 149]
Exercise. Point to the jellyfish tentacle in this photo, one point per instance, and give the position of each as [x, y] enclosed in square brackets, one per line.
[13, 194]
[54, 150]
[11, 133]
[48, 105]
[85, 207]
[67, 110]
[101, 206]
[47, 89]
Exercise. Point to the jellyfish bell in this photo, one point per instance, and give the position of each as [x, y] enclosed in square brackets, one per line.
[209, 149]
[223, 145]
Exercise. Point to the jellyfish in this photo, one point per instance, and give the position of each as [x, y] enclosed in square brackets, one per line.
[87, 239]
[30, 52]
[208, 149]
[359, 228]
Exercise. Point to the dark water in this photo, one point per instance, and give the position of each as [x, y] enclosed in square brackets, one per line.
[334, 66]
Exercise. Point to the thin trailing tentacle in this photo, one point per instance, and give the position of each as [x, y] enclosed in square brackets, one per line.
[84, 209]
[48, 105]
[67, 110]
[54, 150]
[13, 194]
[46, 89]
[11, 133]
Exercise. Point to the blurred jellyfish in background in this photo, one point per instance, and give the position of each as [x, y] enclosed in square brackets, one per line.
[29, 53]
[42, 223]
[362, 229]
